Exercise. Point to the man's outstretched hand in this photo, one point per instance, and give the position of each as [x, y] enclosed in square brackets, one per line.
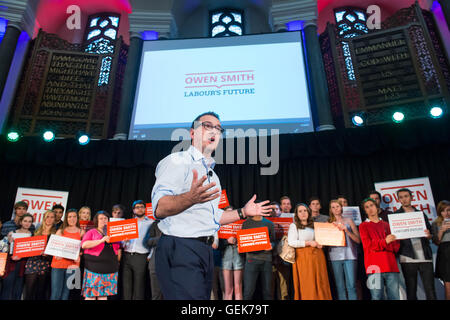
[257, 209]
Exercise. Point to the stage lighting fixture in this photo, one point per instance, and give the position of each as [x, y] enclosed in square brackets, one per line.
[436, 112]
[48, 136]
[358, 120]
[398, 117]
[83, 139]
[13, 136]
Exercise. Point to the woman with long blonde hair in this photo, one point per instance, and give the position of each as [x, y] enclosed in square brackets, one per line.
[344, 259]
[37, 268]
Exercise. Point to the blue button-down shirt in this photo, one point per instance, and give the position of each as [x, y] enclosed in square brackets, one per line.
[139, 245]
[174, 177]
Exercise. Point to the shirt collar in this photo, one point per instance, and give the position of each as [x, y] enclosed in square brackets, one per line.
[197, 156]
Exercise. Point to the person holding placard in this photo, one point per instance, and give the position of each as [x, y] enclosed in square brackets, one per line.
[20, 208]
[37, 268]
[259, 262]
[441, 237]
[62, 268]
[415, 254]
[101, 261]
[344, 259]
[15, 267]
[380, 247]
[309, 271]
[134, 262]
[232, 266]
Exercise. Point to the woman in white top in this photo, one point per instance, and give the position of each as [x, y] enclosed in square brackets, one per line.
[309, 271]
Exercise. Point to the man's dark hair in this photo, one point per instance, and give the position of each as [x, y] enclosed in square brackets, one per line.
[119, 206]
[209, 113]
[312, 199]
[404, 190]
[375, 192]
[138, 202]
[21, 204]
[58, 206]
[284, 198]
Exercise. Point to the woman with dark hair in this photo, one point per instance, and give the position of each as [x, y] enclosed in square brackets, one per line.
[309, 271]
[101, 261]
[441, 237]
[70, 228]
[15, 266]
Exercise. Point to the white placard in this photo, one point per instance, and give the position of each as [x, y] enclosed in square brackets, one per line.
[407, 225]
[63, 247]
[40, 200]
[352, 213]
[422, 196]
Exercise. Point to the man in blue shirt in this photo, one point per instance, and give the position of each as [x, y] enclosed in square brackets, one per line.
[134, 261]
[188, 208]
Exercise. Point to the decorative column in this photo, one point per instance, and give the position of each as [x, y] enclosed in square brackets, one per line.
[129, 86]
[317, 77]
[7, 49]
[140, 21]
[282, 14]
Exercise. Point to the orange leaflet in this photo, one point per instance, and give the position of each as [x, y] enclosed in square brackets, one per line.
[123, 230]
[3, 257]
[86, 225]
[229, 230]
[281, 226]
[255, 239]
[30, 246]
[149, 211]
[223, 202]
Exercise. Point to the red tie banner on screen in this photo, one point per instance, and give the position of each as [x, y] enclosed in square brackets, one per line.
[123, 230]
[255, 239]
[30, 246]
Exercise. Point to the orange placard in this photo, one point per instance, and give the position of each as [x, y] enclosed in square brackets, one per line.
[86, 225]
[327, 234]
[29, 246]
[3, 257]
[123, 230]
[255, 239]
[229, 230]
[223, 202]
[149, 211]
[281, 226]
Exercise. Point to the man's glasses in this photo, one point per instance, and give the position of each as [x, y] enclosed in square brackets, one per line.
[209, 127]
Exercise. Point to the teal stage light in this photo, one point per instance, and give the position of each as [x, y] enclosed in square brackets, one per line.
[13, 136]
[436, 112]
[398, 117]
[48, 136]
